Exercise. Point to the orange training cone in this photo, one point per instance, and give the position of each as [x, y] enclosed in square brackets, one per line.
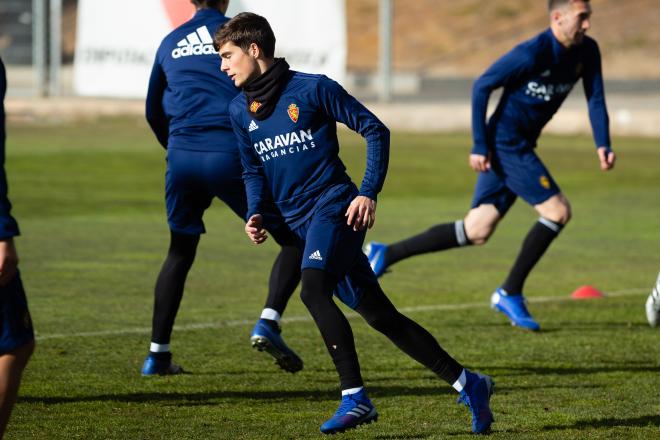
[587, 292]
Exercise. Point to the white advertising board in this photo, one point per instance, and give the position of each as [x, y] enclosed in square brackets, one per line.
[116, 41]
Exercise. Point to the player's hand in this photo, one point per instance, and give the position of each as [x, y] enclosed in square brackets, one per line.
[479, 162]
[607, 158]
[361, 213]
[8, 261]
[254, 229]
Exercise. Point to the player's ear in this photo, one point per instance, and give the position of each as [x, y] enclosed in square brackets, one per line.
[556, 15]
[254, 51]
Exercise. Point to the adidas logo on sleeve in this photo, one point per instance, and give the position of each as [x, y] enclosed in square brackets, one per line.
[199, 42]
[316, 255]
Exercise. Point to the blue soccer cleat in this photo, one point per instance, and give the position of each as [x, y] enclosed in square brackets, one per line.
[476, 396]
[376, 254]
[154, 366]
[354, 410]
[266, 337]
[513, 306]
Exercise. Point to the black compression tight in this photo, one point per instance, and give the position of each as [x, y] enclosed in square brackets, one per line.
[316, 293]
[410, 337]
[169, 285]
[284, 278]
[380, 314]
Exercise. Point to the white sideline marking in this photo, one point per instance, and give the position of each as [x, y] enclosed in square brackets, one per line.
[350, 315]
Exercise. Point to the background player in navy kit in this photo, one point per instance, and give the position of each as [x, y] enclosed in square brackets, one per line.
[536, 76]
[187, 108]
[286, 125]
[16, 335]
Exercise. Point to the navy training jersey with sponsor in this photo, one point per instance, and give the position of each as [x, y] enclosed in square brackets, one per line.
[8, 226]
[537, 76]
[188, 98]
[293, 155]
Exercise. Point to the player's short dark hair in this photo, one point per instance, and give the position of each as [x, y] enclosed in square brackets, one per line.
[555, 4]
[243, 30]
[207, 3]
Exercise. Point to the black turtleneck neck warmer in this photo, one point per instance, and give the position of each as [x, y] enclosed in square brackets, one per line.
[263, 92]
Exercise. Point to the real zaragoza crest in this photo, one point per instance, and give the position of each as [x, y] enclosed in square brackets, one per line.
[545, 182]
[254, 106]
[293, 112]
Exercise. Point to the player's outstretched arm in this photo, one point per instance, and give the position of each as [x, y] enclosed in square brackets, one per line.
[361, 213]
[594, 91]
[344, 108]
[607, 158]
[507, 70]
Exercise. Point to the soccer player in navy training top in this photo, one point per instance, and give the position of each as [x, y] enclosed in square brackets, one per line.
[16, 334]
[187, 108]
[286, 123]
[536, 76]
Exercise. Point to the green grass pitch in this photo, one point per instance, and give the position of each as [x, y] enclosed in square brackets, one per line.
[89, 200]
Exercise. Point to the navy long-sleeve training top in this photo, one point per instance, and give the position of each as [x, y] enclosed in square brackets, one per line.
[293, 154]
[537, 76]
[188, 98]
[8, 226]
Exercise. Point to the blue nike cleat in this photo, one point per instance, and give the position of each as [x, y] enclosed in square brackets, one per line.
[266, 337]
[354, 410]
[476, 396]
[513, 306]
[154, 366]
[376, 254]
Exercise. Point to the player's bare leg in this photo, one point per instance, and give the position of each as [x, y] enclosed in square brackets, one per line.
[480, 223]
[12, 365]
[557, 209]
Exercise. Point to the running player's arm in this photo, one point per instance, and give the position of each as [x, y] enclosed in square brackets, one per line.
[594, 91]
[155, 113]
[509, 69]
[344, 108]
[8, 225]
[253, 175]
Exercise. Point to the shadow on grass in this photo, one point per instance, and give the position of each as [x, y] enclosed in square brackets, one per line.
[206, 398]
[600, 325]
[560, 371]
[501, 389]
[609, 422]
[406, 436]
